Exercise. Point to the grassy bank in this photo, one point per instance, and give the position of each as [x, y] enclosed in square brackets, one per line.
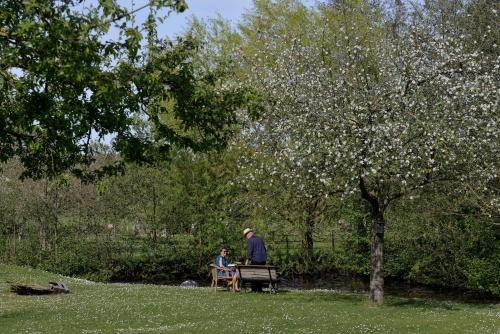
[125, 308]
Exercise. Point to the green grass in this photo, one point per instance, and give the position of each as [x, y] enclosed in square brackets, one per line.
[126, 308]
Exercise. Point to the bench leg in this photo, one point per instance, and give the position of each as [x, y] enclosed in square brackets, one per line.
[244, 285]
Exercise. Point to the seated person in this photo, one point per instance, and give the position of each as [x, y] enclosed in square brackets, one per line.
[223, 269]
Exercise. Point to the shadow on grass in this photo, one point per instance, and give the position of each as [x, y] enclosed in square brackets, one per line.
[429, 303]
[324, 295]
[391, 302]
[420, 303]
[264, 293]
[315, 296]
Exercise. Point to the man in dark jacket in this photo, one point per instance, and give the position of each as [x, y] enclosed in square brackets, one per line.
[256, 253]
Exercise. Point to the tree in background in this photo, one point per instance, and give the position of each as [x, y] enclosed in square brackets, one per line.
[63, 82]
[439, 235]
[298, 200]
[379, 113]
[329, 90]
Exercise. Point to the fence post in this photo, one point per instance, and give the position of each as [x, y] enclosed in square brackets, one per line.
[333, 241]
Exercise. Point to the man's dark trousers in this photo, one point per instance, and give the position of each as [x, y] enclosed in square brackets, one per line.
[257, 286]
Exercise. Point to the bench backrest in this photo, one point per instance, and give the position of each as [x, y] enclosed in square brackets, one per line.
[257, 273]
[213, 272]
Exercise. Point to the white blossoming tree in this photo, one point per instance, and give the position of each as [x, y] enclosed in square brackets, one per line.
[298, 188]
[381, 114]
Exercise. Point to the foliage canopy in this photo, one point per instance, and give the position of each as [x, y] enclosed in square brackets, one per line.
[65, 82]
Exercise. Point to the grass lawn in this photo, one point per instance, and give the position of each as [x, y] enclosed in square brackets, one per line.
[126, 308]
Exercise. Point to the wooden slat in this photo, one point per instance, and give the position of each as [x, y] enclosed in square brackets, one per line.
[258, 273]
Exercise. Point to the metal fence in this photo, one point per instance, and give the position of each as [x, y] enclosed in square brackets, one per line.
[290, 243]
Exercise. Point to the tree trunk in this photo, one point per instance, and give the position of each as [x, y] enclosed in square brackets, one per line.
[153, 220]
[14, 243]
[377, 259]
[42, 234]
[308, 238]
[308, 241]
[377, 248]
[56, 239]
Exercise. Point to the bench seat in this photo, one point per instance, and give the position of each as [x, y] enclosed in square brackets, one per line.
[259, 273]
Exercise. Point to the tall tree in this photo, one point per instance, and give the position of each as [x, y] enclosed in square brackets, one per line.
[380, 113]
[64, 81]
[280, 24]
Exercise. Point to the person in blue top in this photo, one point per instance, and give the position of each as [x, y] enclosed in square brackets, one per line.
[223, 268]
[256, 253]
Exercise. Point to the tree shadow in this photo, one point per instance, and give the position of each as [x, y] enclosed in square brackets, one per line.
[419, 303]
[330, 296]
[431, 304]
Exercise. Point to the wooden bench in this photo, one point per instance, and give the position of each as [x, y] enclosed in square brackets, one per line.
[259, 273]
